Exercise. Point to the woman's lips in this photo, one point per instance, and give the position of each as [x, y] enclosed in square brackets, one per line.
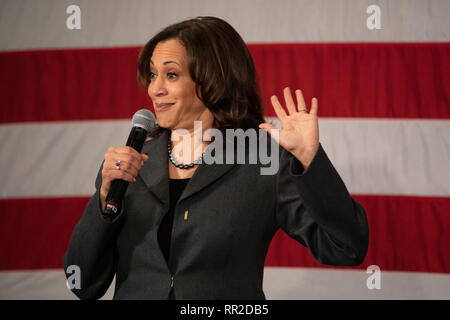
[159, 107]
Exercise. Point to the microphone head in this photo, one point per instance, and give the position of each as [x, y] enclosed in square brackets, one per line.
[144, 119]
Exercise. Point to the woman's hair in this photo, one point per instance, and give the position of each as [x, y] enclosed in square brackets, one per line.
[221, 67]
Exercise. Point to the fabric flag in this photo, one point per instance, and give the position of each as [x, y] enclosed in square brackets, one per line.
[380, 71]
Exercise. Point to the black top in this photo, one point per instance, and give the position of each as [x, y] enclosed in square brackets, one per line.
[176, 187]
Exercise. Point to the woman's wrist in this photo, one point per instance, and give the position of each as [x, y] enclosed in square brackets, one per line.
[103, 195]
[306, 155]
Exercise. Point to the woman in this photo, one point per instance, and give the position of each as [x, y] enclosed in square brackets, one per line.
[202, 231]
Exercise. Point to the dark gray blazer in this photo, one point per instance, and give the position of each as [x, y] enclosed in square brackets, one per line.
[218, 252]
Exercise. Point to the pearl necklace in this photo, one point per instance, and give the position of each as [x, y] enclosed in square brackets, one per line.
[176, 163]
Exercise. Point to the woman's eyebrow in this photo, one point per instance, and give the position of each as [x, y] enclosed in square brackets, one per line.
[166, 62]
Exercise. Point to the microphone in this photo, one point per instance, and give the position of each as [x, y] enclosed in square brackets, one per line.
[143, 121]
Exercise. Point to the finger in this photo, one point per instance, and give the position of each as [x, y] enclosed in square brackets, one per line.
[125, 166]
[127, 162]
[281, 114]
[144, 159]
[130, 151]
[113, 174]
[271, 129]
[112, 157]
[300, 100]
[289, 101]
[123, 161]
[314, 106]
[267, 126]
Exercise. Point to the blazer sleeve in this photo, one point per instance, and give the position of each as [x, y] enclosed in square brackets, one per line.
[315, 208]
[92, 249]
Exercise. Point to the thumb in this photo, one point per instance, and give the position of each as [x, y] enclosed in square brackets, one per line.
[269, 127]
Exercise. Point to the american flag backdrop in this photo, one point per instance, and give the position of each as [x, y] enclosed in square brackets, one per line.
[66, 95]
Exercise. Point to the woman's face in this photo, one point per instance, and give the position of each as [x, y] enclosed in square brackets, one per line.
[172, 89]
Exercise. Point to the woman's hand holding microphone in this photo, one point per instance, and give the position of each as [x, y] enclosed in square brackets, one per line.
[120, 163]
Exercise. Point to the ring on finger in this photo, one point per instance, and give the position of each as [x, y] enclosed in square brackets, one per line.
[303, 109]
[118, 165]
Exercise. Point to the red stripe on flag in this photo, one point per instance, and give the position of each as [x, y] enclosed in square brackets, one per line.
[406, 234]
[35, 233]
[381, 80]
[363, 80]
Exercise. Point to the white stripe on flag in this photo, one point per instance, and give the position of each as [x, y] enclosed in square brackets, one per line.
[373, 156]
[279, 283]
[307, 283]
[31, 24]
[49, 284]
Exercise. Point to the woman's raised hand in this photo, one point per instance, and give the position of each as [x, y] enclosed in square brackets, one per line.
[300, 129]
[120, 163]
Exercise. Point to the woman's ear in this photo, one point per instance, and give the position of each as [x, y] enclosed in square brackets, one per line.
[198, 92]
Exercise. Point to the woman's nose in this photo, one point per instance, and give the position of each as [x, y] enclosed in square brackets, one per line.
[157, 88]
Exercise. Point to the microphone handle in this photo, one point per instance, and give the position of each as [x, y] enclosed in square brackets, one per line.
[118, 187]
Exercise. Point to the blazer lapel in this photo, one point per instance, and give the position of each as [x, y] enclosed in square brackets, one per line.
[155, 172]
[204, 176]
[207, 174]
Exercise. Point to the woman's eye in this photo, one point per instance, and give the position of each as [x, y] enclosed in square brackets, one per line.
[171, 75]
[152, 76]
